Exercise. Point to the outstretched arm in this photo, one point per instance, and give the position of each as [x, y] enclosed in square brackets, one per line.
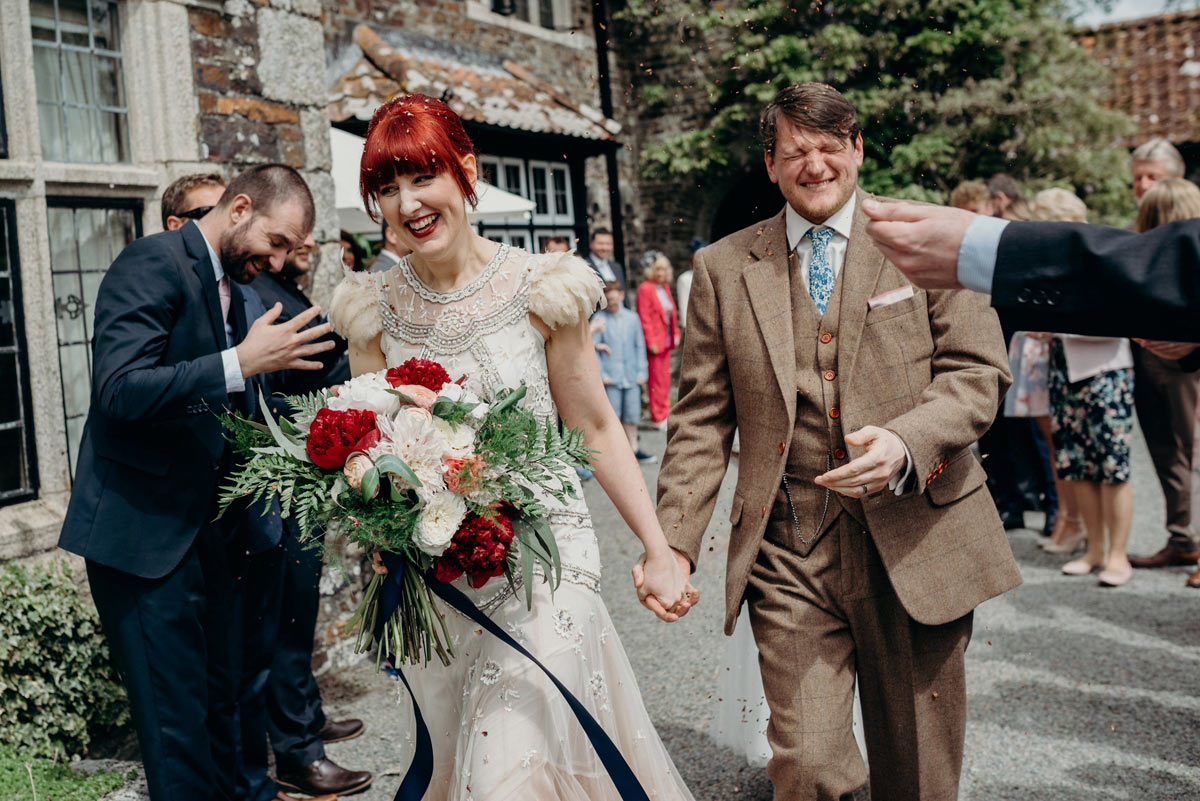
[579, 394]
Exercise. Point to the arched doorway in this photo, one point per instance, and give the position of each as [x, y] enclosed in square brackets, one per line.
[752, 198]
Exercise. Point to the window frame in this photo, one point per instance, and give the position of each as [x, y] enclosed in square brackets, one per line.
[122, 145]
[20, 347]
[3, 123]
[552, 219]
[75, 203]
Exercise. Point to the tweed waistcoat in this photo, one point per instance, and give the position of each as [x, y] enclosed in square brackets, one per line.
[817, 441]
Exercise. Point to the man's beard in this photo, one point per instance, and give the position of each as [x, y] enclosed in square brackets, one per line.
[236, 257]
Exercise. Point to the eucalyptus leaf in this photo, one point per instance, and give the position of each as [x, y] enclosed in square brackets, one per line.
[294, 449]
[388, 463]
[370, 483]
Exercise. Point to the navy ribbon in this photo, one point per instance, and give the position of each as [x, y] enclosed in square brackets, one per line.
[420, 772]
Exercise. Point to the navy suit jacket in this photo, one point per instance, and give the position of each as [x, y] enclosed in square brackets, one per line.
[1089, 279]
[152, 452]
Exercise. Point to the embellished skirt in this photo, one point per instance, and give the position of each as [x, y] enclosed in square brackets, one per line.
[501, 731]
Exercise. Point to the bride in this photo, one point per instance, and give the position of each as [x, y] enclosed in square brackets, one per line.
[501, 316]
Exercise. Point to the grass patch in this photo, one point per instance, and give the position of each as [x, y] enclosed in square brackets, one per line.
[52, 781]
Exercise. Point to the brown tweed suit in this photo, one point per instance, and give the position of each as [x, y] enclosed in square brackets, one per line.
[888, 589]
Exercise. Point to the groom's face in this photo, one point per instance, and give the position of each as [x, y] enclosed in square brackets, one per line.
[261, 242]
[815, 171]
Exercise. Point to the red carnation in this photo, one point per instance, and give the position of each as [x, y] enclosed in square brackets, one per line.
[479, 549]
[333, 436]
[422, 372]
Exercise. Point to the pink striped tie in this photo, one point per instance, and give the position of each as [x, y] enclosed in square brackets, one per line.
[226, 297]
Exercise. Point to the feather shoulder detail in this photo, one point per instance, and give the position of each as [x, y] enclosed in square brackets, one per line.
[563, 289]
[354, 309]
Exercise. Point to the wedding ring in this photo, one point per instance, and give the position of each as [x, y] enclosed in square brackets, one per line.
[863, 487]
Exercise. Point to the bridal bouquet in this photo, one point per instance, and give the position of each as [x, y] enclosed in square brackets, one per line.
[409, 463]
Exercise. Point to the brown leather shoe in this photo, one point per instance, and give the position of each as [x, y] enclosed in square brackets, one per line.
[335, 731]
[1194, 580]
[1168, 556]
[325, 776]
[282, 796]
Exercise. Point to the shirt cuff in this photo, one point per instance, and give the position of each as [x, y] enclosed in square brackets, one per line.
[898, 483]
[233, 371]
[977, 253]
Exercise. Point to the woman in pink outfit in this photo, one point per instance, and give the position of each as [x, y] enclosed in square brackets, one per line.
[660, 325]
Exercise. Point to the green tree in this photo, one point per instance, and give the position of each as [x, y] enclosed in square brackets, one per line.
[946, 90]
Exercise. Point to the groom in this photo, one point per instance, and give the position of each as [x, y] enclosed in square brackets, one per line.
[862, 536]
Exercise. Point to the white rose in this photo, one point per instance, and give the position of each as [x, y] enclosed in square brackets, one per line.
[367, 391]
[451, 392]
[438, 522]
[460, 440]
[479, 412]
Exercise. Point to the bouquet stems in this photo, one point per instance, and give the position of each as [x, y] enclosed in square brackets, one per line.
[414, 632]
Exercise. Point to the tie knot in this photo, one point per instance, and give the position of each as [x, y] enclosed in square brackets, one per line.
[820, 236]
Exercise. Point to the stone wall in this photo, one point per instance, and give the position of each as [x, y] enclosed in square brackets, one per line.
[261, 90]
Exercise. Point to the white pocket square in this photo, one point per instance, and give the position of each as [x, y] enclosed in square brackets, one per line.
[890, 297]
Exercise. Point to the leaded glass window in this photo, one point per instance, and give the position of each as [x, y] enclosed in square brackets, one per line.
[18, 472]
[85, 237]
[77, 65]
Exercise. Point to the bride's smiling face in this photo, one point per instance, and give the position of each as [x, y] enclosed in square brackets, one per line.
[427, 210]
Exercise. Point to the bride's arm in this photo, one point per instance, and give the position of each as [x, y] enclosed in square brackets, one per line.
[367, 358]
[579, 394]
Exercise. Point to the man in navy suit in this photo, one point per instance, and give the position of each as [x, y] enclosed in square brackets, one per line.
[168, 314]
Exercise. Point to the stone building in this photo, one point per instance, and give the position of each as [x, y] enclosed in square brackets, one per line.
[104, 102]
[1155, 64]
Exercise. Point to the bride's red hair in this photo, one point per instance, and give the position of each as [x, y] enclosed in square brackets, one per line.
[413, 134]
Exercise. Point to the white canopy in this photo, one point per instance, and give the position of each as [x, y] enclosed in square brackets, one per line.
[494, 203]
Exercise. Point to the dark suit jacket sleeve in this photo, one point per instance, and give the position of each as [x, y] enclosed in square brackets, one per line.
[700, 427]
[1089, 279]
[137, 307]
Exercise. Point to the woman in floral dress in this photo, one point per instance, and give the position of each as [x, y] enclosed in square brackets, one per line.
[502, 317]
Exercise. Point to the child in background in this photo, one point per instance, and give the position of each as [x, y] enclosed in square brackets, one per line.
[621, 350]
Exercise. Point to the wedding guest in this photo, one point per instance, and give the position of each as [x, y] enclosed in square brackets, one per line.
[1017, 469]
[352, 255]
[973, 196]
[621, 350]
[556, 244]
[281, 697]
[190, 197]
[1152, 161]
[1005, 191]
[1165, 393]
[600, 257]
[683, 284]
[660, 324]
[1091, 396]
[1029, 397]
[172, 345]
[391, 254]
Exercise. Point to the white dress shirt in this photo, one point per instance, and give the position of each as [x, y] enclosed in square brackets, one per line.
[384, 261]
[841, 222]
[234, 382]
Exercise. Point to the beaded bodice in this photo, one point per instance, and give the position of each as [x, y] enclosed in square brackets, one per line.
[481, 330]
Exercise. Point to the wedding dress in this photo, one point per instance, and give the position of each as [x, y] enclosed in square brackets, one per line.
[500, 729]
[742, 713]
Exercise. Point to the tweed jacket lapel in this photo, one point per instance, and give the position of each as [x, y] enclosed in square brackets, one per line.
[859, 276]
[768, 284]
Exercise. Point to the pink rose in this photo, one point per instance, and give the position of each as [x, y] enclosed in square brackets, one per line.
[357, 467]
[422, 396]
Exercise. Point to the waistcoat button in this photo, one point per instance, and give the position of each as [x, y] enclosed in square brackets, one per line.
[834, 413]
[826, 337]
[830, 375]
[839, 453]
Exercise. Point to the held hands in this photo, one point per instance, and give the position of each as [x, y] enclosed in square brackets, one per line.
[662, 584]
[921, 240]
[885, 457]
[269, 346]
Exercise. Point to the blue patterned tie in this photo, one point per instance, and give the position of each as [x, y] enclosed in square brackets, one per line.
[820, 271]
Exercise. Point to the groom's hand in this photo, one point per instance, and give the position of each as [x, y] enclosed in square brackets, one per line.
[271, 346]
[689, 598]
[885, 457]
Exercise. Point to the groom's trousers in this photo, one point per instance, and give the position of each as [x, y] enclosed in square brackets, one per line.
[819, 619]
[172, 640]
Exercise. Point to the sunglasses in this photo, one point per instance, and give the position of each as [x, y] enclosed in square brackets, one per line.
[196, 213]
